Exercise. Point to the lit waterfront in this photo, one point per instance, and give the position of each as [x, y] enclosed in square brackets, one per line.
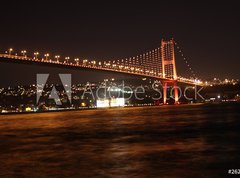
[178, 141]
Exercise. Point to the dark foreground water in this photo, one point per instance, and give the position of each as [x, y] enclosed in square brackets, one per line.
[165, 141]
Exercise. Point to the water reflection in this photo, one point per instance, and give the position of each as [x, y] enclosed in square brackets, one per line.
[167, 141]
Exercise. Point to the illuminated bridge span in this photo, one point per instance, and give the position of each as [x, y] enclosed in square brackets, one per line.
[159, 63]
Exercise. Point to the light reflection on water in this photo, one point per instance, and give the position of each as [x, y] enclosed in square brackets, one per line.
[165, 141]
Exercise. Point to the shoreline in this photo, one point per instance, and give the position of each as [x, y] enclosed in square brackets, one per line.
[84, 109]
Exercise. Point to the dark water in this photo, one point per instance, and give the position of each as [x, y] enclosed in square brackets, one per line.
[165, 141]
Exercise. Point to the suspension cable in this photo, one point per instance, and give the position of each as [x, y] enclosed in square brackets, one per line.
[193, 74]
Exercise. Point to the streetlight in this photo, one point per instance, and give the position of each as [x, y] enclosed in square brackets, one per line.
[24, 53]
[67, 58]
[93, 62]
[85, 62]
[77, 61]
[57, 58]
[46, 56]
[10, 51]
[36, 55]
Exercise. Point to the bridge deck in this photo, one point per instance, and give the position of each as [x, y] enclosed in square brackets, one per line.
[26, 60]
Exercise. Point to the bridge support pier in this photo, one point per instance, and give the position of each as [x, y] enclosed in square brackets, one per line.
[176, 98]
[164, 92]
[175, 88]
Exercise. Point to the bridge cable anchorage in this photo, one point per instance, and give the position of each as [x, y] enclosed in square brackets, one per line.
[193, 74]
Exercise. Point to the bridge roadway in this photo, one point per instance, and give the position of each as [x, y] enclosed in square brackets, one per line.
[27, 60]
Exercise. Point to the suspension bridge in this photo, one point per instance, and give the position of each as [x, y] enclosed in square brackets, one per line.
[159, 63]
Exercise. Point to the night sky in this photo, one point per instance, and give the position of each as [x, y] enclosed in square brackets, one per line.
[209, 34]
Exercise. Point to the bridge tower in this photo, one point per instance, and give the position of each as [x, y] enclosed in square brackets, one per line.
[169, 71]
[168, 60]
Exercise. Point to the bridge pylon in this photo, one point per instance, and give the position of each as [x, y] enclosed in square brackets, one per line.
[168, 60]
[169, 71]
